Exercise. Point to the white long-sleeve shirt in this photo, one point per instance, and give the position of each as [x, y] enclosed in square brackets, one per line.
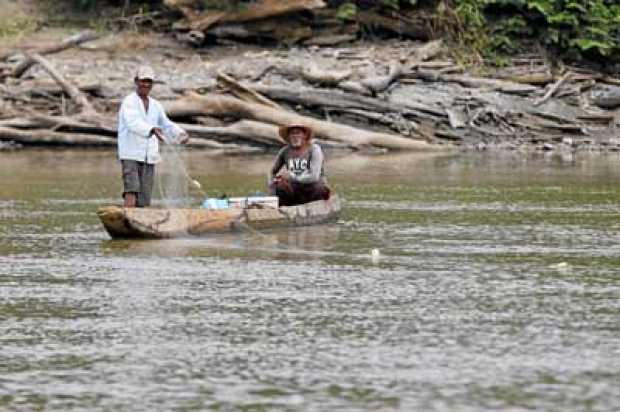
[135, 141]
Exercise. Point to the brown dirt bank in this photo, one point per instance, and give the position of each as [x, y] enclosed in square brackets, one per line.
[388, 87]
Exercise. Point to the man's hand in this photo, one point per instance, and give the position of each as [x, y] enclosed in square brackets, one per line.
[284, 174]
[183, 138]
[277, 180]
[159, 134]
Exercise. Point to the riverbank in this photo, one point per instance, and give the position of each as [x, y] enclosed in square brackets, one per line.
[372, 96]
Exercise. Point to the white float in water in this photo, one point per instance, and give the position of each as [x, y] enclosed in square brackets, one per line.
[562, 267]
[375, 255]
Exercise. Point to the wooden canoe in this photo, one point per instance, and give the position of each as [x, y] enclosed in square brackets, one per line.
[154, 223]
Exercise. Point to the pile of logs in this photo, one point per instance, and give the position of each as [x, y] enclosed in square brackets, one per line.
[255, 117]
[347, 109]
[288, 22]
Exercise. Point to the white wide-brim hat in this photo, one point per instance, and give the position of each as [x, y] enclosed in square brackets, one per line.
[145, 73]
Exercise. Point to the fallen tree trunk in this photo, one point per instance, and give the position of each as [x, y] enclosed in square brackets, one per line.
[244, 92]
[474, 82]
[499, 85]
[47, 89]
[206, 143]
[61, 123]
[353, 86]
[377, 84]
[55, 138]
[248, 131]
[72, 91]
[553, 89]
[269, 29]
[38, 136]
[225, 106]
[254, 11]
[393, 120]
[69, 42]
[425, 52]
[313, 74]
[330, 40]
[398, 25]
[340, 99]
[536, 78]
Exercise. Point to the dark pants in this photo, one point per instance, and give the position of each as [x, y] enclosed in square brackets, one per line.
[138, 179]
[293, 193]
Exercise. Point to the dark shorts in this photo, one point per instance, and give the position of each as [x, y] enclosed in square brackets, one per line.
[291, 194]
[138, 179]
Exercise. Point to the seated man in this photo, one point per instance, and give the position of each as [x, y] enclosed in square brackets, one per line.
[302, 179]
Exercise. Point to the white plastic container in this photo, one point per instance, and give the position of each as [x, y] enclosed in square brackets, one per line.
[253, 201]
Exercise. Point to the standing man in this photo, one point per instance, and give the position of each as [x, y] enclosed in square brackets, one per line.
[142, 123]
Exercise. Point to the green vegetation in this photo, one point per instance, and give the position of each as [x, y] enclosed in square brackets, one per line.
[490, 29]
[16, 27]
[569, 29]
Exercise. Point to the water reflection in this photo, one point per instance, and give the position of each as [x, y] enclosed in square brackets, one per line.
[282, 243]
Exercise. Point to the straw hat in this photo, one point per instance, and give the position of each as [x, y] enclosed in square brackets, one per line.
[284, 131]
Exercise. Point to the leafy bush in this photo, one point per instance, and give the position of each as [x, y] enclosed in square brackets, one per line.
[573, 29]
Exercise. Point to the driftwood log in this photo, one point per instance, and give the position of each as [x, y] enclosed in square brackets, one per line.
[62, 123]
[293, 21]
[426, 52]
[315, 75]
[262, 134]
[503, 86]
[68, 43]
[341, 99]
[42, 136]
[380, 83]
[72, 91]
[244, 92]
[254, 11]
[226, 106]
[553, 89]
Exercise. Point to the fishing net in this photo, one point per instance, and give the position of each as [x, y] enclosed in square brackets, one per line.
[173, 181]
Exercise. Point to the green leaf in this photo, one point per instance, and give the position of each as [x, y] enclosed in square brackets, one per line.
[346, 11]
[576, 6]
[597, 31]
[544, 7]
[588, 44]
[564, 18]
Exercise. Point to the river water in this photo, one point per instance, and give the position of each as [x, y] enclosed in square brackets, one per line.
[496, 287]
